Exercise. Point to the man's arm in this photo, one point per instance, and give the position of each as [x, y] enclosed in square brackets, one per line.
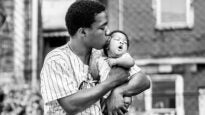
[138, 83]
[84, 98]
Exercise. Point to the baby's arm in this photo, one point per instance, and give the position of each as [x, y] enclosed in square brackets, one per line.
[125, 61]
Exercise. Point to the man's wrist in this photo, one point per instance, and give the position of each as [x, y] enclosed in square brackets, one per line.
[112, 62]
[108, 84]
[119, 90]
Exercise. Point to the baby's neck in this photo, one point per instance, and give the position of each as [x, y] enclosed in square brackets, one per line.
[111, 55]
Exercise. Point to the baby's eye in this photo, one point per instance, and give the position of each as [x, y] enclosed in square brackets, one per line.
[102, 28]
[117, 39]
[125, 42]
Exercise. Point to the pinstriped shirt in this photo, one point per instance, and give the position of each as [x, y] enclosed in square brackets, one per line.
[62, 74]
[102, 69]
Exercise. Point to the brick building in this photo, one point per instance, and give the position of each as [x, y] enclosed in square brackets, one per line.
[168, 43]
[15, 36]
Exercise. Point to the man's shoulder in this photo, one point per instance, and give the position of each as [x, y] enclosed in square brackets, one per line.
[56, 54]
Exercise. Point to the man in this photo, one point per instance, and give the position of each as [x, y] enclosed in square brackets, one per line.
[66, 84]
[2, 16]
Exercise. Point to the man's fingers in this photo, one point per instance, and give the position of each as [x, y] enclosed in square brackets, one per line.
[127, 101]
[114, 113]
[110, 113]
[120, 112]
[127, 105]
[124, 109]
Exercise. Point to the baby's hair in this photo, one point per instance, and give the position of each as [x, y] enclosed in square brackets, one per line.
[111, 35]
[119, 31]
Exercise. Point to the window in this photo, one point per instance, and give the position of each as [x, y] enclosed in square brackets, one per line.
[53, 13]
[173, 14]
[165, 97]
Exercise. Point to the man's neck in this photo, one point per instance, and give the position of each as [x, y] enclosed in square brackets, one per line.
[80, 50]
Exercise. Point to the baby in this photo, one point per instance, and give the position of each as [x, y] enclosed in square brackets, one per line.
[115, 54]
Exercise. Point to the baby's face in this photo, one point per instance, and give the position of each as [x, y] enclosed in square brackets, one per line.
[118, 45]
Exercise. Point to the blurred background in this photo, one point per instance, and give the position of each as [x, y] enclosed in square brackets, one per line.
[167, 39]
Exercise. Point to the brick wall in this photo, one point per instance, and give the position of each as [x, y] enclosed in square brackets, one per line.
[139, 23]
[6, 42]
[6, 38]
[192, 81]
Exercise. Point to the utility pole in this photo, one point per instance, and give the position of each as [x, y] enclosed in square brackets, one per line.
[34, 41]
[19, 40]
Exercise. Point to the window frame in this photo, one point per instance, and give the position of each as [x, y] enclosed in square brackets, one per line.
[201, 97]
[189, 23]
[179, 90]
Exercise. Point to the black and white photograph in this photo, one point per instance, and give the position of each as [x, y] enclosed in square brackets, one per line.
[102, 57]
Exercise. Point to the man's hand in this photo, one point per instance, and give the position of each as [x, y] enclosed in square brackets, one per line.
[116, 104]
[117, 76]
[127, 101]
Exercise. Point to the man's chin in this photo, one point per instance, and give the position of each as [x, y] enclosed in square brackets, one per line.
[99, 47]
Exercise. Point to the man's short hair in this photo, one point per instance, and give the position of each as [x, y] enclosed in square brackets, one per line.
[82, 14]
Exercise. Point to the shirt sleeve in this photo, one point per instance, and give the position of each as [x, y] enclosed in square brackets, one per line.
[57, 80]
[134, 69]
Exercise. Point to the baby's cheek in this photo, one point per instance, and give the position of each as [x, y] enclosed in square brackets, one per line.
[114, 52]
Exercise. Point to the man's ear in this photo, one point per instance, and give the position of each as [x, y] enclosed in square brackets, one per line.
[82, 32]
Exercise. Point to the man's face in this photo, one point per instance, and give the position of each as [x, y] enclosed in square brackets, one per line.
[118, 45]
[96, 35]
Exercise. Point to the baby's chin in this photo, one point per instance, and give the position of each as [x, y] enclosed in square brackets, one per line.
[114, 55]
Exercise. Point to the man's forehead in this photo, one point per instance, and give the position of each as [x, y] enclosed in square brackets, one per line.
[101, 19]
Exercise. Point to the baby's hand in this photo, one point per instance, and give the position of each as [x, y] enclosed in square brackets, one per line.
[112, 62]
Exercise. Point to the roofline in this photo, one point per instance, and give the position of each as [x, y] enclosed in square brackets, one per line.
[171, 61]
[56, 34]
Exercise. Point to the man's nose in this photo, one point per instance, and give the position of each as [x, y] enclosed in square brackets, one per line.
[107, 31]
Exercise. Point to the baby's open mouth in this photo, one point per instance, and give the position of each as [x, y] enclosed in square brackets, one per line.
[120, 47]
